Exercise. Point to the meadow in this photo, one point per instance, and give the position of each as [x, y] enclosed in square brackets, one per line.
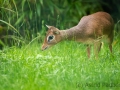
[62, 67]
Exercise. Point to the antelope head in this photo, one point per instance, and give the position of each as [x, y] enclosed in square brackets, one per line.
[52, 37]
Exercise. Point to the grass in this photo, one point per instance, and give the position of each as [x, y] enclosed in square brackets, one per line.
[62, 67]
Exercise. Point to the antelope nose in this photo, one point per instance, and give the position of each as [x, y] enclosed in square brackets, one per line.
[44, 48]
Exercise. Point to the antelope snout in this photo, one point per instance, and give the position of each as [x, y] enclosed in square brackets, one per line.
[44, 47]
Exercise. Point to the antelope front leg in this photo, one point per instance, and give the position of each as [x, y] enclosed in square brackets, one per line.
[88, 51]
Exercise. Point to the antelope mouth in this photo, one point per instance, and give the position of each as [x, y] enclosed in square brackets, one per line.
[44, 48]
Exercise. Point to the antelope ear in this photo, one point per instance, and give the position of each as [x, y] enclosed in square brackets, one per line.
[48, 26]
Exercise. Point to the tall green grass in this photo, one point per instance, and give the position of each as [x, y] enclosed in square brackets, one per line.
[62, 67]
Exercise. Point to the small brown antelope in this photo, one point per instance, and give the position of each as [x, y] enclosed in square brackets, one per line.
[90, 30]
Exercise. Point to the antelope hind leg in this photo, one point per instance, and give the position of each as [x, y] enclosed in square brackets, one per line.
[97, 47]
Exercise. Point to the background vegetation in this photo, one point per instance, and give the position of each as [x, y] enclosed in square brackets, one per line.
[27, 18]
[23, 66]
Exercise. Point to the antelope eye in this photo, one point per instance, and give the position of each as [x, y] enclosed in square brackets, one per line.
[50, 38]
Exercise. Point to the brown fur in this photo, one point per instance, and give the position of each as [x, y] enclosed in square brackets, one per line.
[90, 30]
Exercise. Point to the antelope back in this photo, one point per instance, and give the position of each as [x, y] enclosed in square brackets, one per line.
[97, 24]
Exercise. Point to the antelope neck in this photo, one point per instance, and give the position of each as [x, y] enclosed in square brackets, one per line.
[69, 34]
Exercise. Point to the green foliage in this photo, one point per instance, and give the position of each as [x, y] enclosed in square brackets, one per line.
[29, 16]
[30, 13]
[62, 67]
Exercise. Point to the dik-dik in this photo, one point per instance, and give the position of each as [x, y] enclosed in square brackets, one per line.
[91, 29]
